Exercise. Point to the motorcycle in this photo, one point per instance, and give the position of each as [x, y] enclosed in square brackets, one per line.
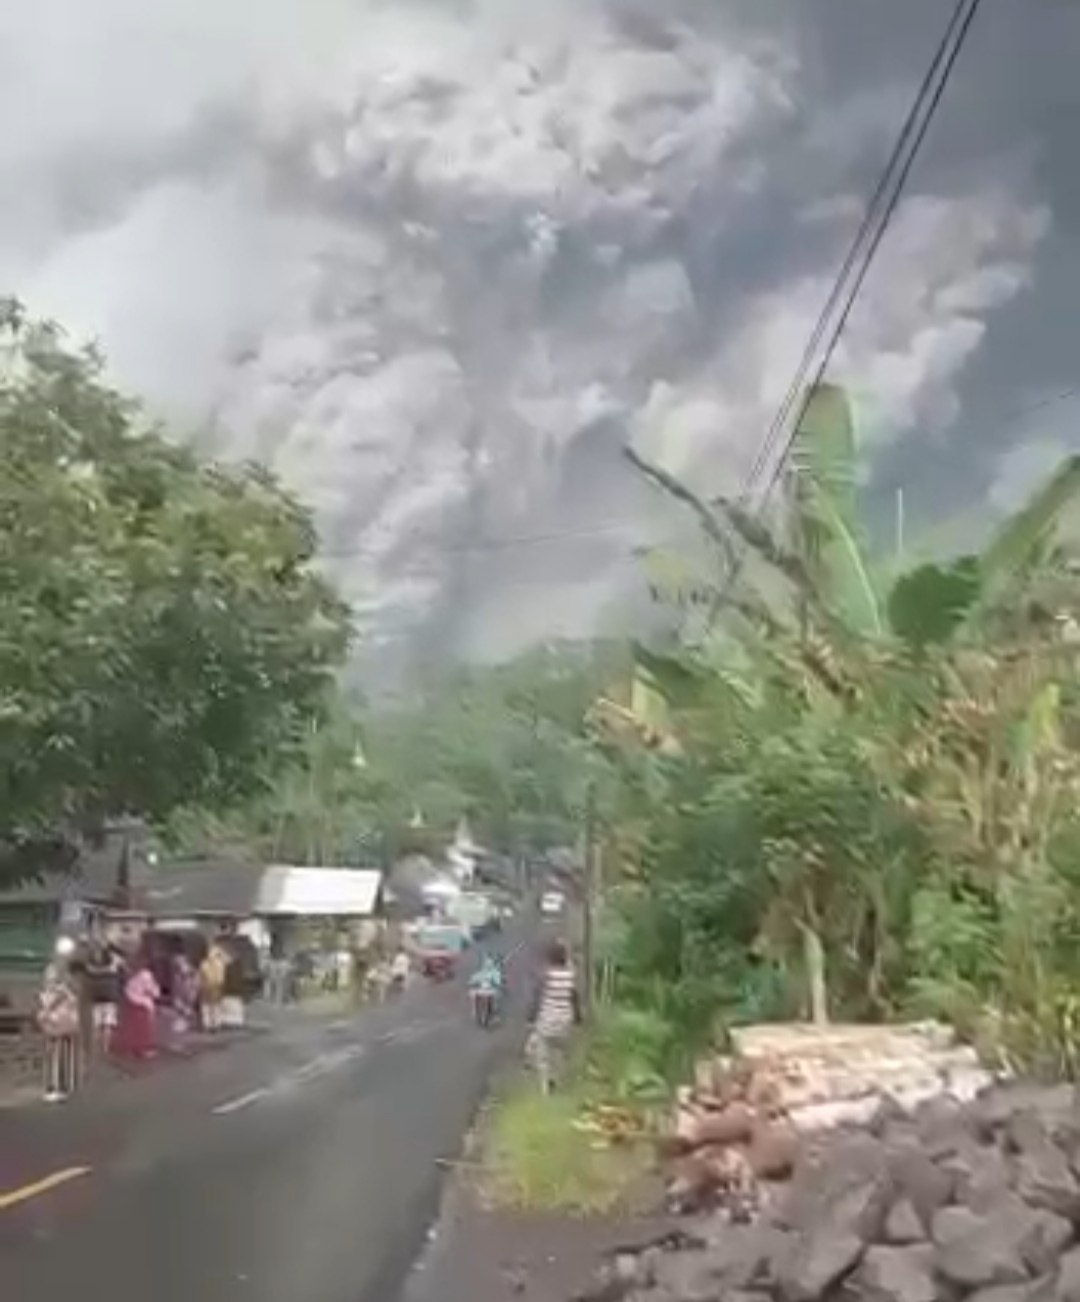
[484, 1006]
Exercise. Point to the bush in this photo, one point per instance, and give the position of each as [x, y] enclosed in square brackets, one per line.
[539, 1158]
[632, 1055]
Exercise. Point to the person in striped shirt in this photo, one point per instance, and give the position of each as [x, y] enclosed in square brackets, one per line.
[556, 1011]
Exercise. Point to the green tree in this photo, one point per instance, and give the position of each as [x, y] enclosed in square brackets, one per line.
[507, 745]
[890, 754]
[165, 640]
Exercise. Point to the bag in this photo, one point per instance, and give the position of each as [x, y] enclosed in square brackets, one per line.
[58, 1013]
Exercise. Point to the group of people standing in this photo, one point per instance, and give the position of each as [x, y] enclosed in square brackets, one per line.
[104, 1001]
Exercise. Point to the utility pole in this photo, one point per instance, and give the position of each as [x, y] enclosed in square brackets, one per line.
[588, 901]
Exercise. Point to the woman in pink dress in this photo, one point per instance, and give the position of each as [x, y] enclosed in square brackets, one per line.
[137, 1033]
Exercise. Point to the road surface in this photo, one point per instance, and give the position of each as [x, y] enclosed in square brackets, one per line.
[301, 1166]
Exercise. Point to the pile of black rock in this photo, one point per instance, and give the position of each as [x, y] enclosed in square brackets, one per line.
[975, 1202]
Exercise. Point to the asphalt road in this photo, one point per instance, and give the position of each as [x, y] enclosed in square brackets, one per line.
[301, 1166]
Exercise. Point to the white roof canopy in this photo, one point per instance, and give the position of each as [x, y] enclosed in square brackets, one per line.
[319, 892]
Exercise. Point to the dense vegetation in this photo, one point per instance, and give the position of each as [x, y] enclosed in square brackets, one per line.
[506, 747]
[166, 641]
[838, 791]
[865, 800]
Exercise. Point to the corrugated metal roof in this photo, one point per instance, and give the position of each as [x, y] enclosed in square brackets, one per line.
[206, 887]
[233, 888]
[96, 872]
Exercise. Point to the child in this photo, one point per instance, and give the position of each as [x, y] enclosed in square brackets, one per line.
[58, 1018]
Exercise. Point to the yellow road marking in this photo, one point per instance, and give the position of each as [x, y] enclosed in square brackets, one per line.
[40, 1187]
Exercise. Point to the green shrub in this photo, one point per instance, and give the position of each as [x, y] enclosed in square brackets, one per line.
[631, 1054]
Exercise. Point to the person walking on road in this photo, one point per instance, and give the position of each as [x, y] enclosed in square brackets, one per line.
[278, 972]
[58, 1019]
[556, 1011]
[105, 976]
[233, 989]
[211, 988]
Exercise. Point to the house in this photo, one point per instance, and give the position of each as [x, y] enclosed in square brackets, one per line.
[276, 906]
[103, 878]
[463, 854]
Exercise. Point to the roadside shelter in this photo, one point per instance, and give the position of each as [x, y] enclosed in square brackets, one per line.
[279, 907]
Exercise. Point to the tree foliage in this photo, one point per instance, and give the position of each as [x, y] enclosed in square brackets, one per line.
[870, 783]
[506, 746]
[165, 638]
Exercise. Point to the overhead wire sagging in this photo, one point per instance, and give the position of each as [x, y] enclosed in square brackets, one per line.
[835, 313]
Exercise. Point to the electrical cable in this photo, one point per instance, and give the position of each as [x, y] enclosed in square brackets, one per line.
[971, 8]
[870, 217]
[927, 102]
[613, 527]
[867, 241]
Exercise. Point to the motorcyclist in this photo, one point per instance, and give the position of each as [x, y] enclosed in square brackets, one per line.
[488, 981]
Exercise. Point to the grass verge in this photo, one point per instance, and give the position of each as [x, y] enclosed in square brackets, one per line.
[536, 1157]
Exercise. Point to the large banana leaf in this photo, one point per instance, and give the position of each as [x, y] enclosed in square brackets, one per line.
[930, 603]
[825, 561]
[933, 603]
[1023, 539]
[826, 520]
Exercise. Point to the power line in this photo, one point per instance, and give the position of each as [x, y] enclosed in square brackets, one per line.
[872, 216]
[610, 528]
[927, 102]
[853, 274]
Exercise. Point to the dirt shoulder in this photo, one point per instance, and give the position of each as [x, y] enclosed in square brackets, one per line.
[483, 1254]
[491, 1247]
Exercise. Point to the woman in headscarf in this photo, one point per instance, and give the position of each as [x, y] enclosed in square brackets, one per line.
[137, 1033]
[58, 1018]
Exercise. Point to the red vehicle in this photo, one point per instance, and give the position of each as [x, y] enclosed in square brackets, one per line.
[439, 948]
[438, 966]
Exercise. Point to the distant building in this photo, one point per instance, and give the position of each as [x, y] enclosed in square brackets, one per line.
[464, 855]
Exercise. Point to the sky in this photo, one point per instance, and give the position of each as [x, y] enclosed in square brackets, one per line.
[438, 263]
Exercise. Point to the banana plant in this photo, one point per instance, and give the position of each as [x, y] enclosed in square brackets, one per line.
[820, 549]
[937, 603]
